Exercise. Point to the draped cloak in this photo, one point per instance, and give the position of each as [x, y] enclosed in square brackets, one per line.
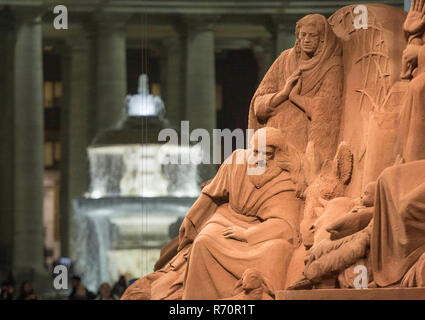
[321, 87]
[211, 265]
[398, 236]
[411, 141]
[270, 216]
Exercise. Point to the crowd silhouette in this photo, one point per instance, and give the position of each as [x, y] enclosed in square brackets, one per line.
[78, 290]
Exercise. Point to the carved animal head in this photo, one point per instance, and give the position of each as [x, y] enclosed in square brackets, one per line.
[329, 184]
[251, 279]
[328, 213]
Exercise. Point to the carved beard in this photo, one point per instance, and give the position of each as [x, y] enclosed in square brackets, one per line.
[271, 172]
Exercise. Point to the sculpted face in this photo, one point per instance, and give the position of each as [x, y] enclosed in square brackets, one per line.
[368, 196]
[262, 157]
[309, 38]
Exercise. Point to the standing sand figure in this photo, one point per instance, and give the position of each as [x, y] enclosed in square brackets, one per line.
[301, 92]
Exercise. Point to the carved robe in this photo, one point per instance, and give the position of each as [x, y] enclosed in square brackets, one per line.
[412, 116]
[270, 216]
[398, 235]
[211, 265]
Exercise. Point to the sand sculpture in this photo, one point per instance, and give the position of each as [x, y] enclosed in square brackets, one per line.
[344, 185]
[237, 223]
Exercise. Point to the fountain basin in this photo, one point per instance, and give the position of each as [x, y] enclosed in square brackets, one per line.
[122, 235]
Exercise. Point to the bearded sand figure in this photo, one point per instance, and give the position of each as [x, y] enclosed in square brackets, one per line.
[239, 222]
[301, 92]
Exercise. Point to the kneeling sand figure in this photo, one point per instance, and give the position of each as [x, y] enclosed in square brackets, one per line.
[240, 221]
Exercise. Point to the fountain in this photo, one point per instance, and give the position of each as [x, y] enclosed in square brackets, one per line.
[135, 199]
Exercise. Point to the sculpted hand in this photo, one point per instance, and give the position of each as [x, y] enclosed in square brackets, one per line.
[185, 234]
[236, 233]
[301, 102]
[292, 80]
[295, 90]
[284, 94]
[411, 53]
[416, 18]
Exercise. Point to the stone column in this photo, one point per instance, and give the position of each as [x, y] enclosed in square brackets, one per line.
[407, 4]
[200, 72]
[111, 79]
[172, 82]
[74, 129]
[28, 155]
[283, 30]
[7, 44]
[200, 81]
[264, 53]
